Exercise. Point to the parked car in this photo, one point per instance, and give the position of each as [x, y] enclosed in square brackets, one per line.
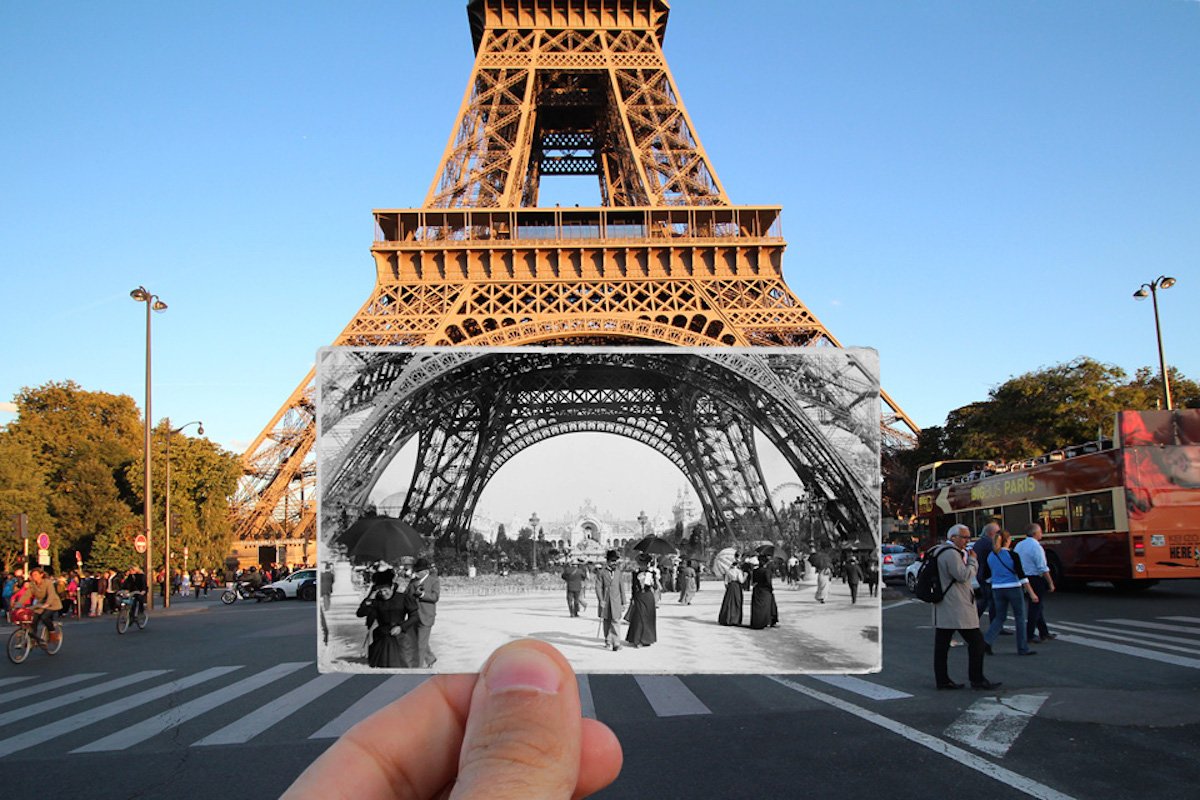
[893, 560]
[910, 575]
[290, 586]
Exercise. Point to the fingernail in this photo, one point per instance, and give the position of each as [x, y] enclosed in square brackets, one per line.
[522, 669]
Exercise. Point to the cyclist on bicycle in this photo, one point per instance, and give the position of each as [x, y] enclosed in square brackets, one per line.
[135, 584]
[44, 602]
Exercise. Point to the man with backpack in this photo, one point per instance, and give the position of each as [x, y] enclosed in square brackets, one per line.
[955, 609]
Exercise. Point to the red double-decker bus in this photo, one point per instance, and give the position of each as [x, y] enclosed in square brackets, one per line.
[1125, 510]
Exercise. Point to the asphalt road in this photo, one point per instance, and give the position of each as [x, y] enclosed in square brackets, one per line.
[227, 699]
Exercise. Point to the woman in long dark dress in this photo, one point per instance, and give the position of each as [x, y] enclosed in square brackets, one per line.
[731, 604]
[763, 611]
[643, 617]
[385, 609]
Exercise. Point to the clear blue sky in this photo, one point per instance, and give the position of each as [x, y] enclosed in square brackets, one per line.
[973, 188]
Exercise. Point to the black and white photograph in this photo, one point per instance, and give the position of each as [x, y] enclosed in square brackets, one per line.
[643, 509]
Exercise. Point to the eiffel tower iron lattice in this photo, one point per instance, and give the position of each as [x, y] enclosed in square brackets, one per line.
[558, 87]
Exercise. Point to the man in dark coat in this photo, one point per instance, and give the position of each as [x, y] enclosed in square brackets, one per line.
[573, 575]
[610, 596]
[425, 589]
[854, 577]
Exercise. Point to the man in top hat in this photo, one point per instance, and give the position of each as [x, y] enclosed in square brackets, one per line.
[610, 596]
[425, 589]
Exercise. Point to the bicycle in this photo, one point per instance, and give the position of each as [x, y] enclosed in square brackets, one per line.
[125, 614]
[22, 640]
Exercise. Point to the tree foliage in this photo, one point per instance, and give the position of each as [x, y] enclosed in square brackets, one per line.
[72, 461]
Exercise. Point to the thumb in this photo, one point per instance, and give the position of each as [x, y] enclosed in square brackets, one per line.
[523, 731]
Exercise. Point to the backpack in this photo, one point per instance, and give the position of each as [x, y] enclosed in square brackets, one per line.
[928, 586]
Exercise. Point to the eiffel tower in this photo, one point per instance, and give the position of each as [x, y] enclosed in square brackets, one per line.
[559, 87]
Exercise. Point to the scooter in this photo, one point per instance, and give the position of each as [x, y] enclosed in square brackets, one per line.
[245, 591]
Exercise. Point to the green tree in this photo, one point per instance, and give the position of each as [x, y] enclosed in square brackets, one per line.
[203, 477]
[22, 490]
[113, 548]
[1144, 392]
[79, 443]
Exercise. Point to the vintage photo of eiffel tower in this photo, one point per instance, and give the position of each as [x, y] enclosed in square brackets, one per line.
[558, 88]
[713, 412]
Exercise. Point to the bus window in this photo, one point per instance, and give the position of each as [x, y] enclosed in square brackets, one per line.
[1092, 512]
[1017, 518]
[925, 479]
[983, 516]
[1051, 514]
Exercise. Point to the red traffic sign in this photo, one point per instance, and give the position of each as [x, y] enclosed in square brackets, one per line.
[43, 541]
[139, 543]
[78, 557]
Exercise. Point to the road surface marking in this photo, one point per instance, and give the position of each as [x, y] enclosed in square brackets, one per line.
[864, 688]
[58, 727]
[587, 704]
[81, 694]
[1183, 619]
[7, 681]
[960, 756]
[1154, 626]
[394, 687]
[177, 715]
[669, 697]
[1132, 637]
[274, 712]
[994, 723]
[49, 686]
[1139, 652]
[899, 603]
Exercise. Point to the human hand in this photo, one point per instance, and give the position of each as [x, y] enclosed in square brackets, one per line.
[512, 732]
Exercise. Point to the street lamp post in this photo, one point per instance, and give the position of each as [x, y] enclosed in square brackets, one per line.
[153, 303]
[642, 521]
[533, 526]
[1161, 282]
[167, 516]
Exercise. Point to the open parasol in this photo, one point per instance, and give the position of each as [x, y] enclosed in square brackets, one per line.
[722, 560]
[655, 546]
[382, 539]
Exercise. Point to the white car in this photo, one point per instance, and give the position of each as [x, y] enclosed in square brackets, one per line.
[289, 586]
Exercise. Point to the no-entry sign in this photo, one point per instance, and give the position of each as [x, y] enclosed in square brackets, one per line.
[139, 543]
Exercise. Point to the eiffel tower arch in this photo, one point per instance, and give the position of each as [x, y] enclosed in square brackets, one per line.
[558, 87]
[471, 410]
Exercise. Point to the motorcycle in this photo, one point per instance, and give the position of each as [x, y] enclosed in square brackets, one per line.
[245, 591]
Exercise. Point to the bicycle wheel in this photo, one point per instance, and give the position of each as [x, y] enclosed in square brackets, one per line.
[228, 596]
[18, 646]
[123, 619]
[141, 619]
[54, 643]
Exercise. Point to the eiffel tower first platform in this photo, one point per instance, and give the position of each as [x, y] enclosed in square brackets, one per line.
[559, 87]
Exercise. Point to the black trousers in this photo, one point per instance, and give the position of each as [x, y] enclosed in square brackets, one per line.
[573, 602]
[941, 654]
[1035, 616]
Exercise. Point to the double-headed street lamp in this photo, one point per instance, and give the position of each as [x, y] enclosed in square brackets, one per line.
[1161, 282]
[167, 537]
[153, 303]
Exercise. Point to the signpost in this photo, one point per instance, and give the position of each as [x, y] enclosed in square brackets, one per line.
[139, 543]
[43, 543]
[21, 531]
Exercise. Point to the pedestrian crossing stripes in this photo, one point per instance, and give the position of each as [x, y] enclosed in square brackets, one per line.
[33, 712]
[1164, 641]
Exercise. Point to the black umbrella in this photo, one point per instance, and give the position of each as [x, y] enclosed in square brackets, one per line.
[382, 539]
[655, 546]
[767, 550]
